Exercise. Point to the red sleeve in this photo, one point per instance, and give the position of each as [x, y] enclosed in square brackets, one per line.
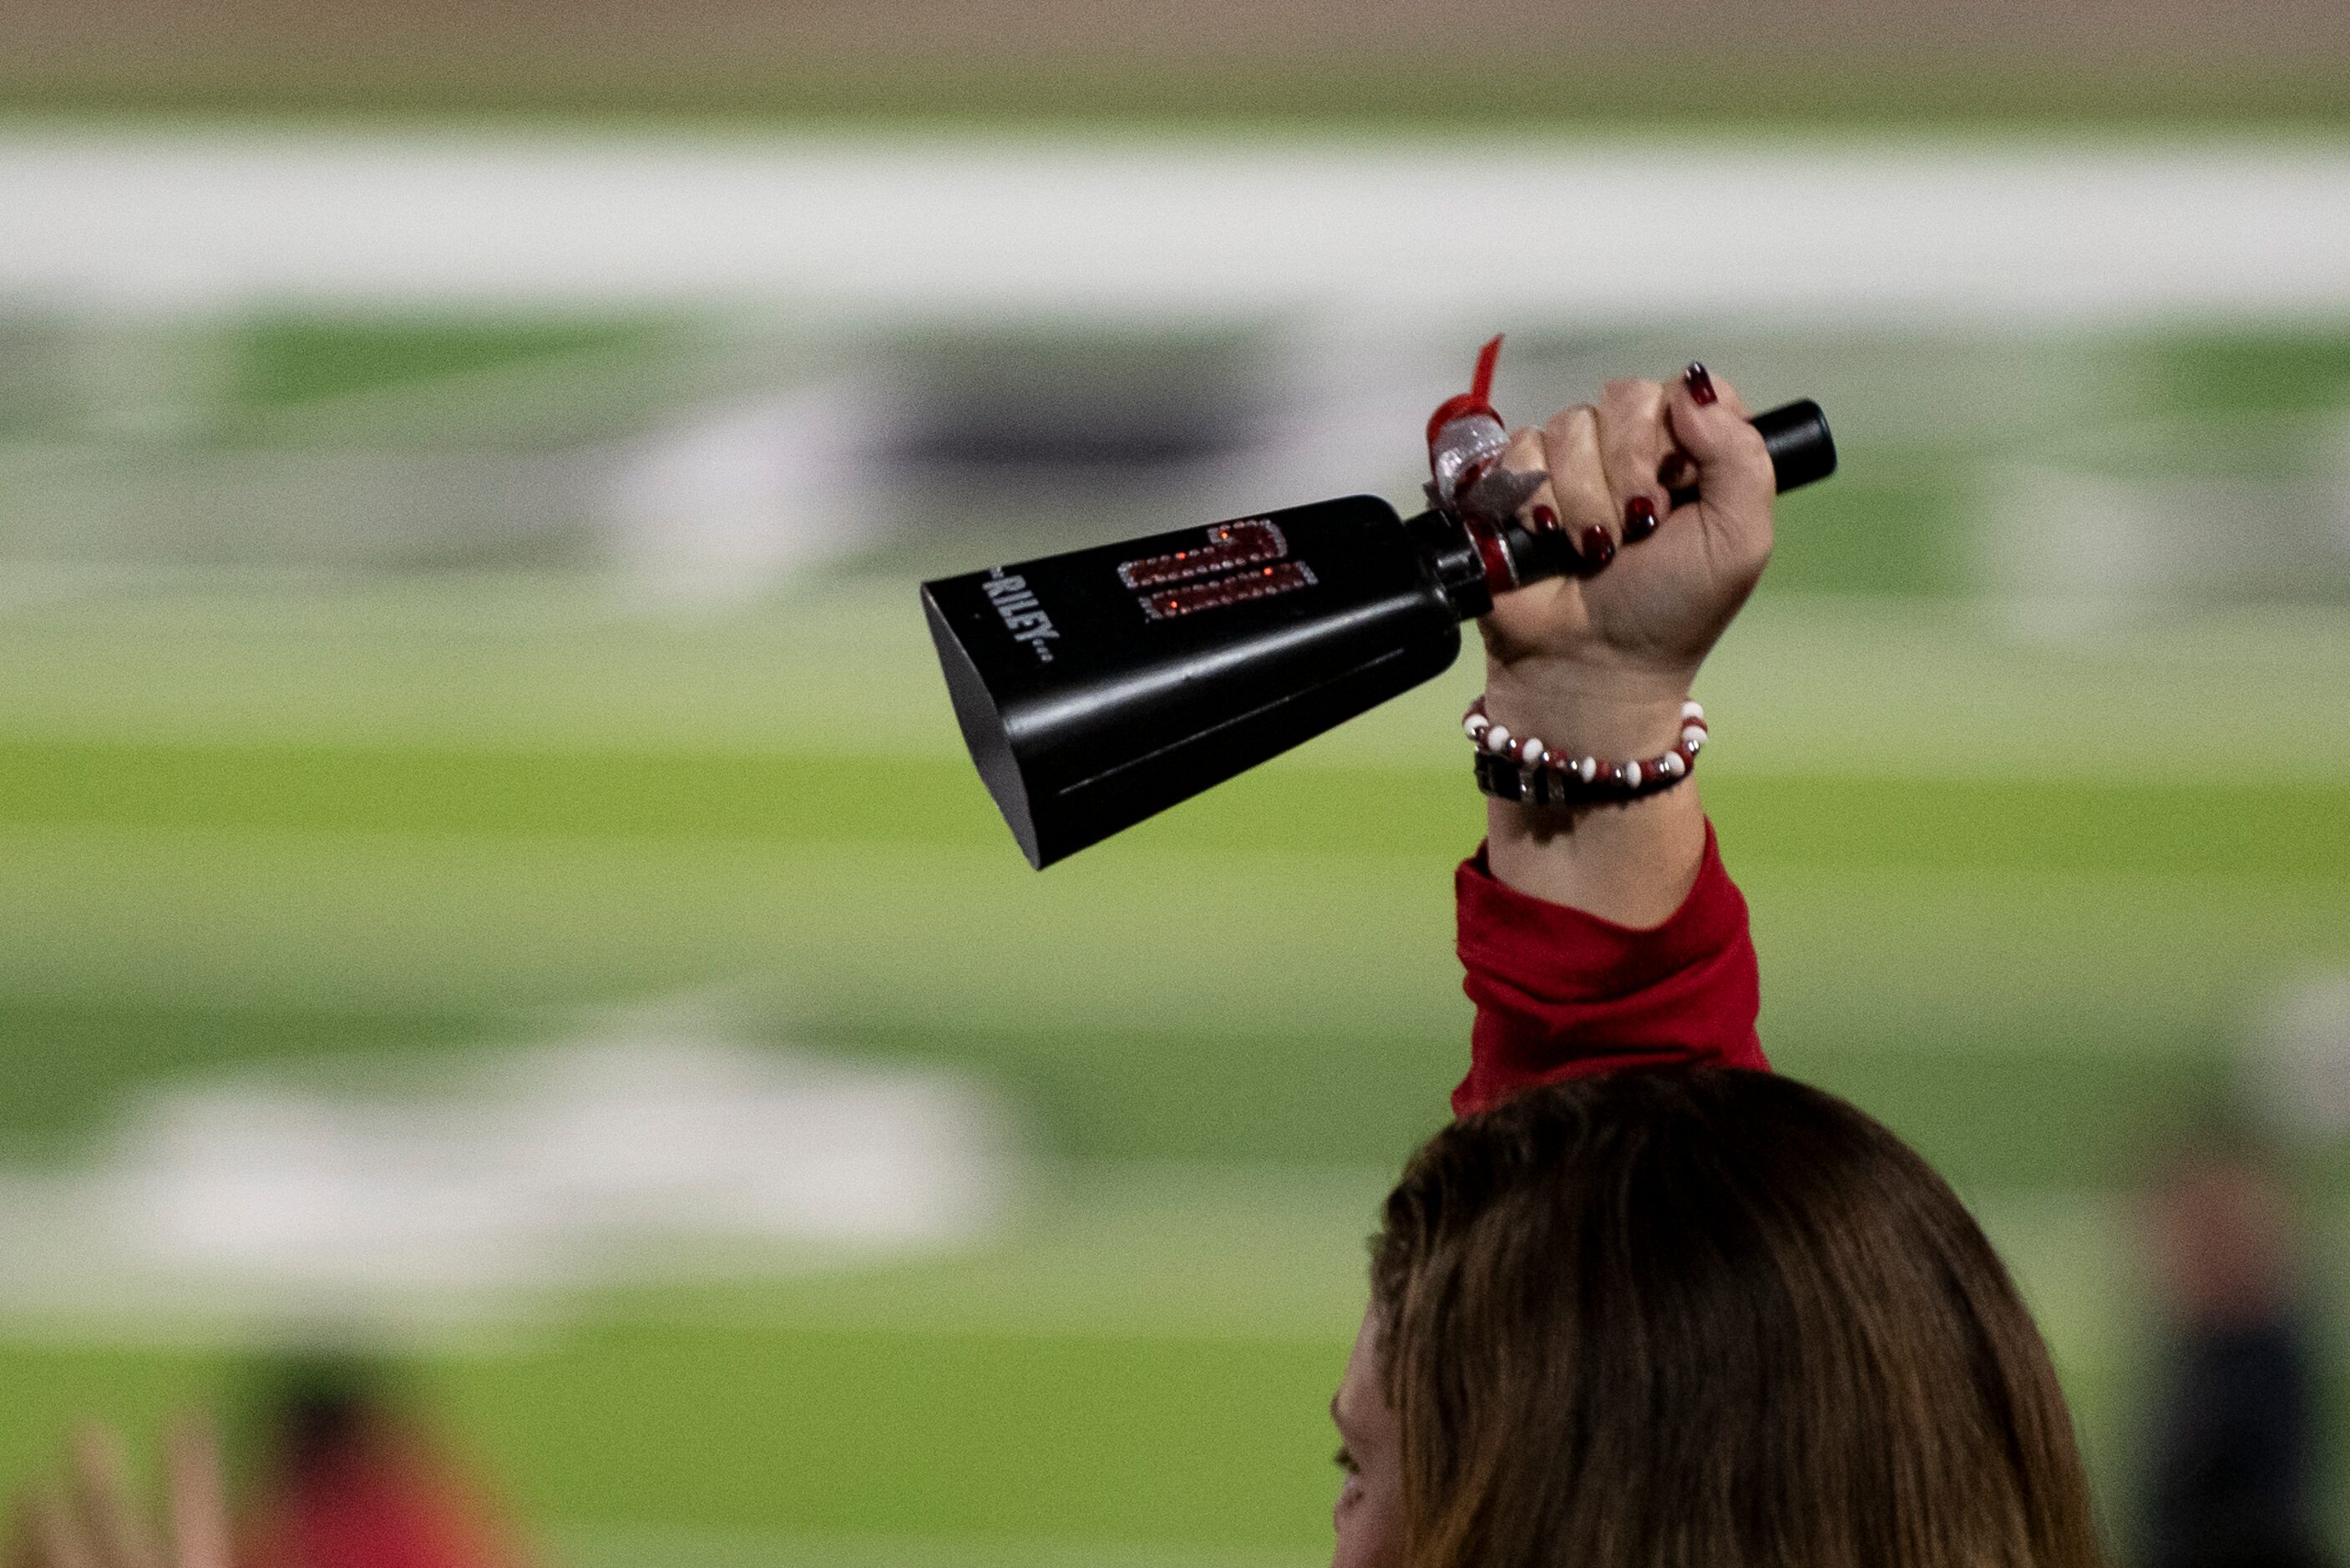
[1560, 993]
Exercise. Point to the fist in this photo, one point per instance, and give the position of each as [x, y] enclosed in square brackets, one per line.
[1659, 583]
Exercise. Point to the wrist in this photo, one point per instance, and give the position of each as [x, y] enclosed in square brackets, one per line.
[1613, 710]
[1631, 862]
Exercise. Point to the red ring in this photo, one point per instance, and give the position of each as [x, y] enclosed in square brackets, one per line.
[1501, 577]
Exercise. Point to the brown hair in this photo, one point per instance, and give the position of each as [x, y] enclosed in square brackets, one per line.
[1706, 1318]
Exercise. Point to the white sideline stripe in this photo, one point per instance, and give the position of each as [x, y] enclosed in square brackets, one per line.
[1456, 233]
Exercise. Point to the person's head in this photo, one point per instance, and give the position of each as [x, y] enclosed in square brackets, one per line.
[322, 1414]
[2224, 1239]
[1696, 1318]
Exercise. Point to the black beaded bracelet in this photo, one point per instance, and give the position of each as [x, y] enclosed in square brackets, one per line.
[1523, 768]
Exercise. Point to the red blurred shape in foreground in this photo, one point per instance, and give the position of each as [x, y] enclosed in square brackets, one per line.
[357, 1487]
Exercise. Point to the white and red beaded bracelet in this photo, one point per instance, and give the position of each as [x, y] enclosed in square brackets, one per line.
[1523, 768]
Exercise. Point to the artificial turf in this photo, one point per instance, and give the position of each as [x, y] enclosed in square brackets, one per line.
[2024, 895]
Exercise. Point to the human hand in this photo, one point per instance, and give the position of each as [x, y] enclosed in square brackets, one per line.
[1602, 661]
[93, 1522]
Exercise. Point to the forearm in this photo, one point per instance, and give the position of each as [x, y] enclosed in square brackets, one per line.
[1561, 992]
[1606, 937]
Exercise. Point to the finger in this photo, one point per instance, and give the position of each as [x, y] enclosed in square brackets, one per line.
[1579, 481]
[101, 1496]
[1524, 455]
[1634, 440]
[1708, 388]
[1676, 472]
[1708, 421]
[200, 1531]
[57, 1539]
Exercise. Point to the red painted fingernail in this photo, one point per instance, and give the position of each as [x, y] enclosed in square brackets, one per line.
[1598, 548]
[1699, 381]
[1544, 518]
[1639, 519]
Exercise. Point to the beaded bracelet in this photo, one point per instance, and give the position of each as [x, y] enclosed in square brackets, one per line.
[1523, 769]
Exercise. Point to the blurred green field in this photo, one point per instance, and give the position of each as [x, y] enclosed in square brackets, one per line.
[2027, 931]
[2023, 892]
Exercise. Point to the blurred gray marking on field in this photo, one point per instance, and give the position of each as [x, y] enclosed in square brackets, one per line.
[648, 1148]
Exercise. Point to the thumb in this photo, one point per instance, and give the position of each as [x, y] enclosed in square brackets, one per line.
[1710, 423]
